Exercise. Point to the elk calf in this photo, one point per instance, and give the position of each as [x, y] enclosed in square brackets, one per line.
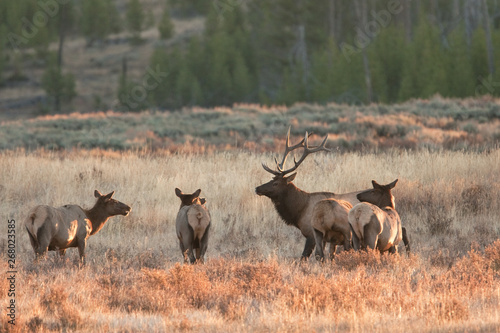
[56, 229]
[330, 224]
[375, 222]
[192, 226]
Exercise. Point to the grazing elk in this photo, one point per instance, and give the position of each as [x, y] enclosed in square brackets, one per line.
[294, 205]
[57, 229]
[375, 222]
[192, 226]
[330, 224]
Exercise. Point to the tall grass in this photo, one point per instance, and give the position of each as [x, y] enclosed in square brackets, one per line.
[253, 280]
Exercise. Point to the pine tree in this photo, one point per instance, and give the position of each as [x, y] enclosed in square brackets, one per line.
[323, 81]
[387, 55]
[164, 96]
[3, 44]
[135, 19]
[99, 19]
[460, 76]
[424, 70]
[57, 85]
[242, 84]
[166, 27]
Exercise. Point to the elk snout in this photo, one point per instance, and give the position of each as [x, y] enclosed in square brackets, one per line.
[126, 210]
[259, 190]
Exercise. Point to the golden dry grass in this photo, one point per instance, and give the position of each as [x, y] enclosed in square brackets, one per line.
[252, 280]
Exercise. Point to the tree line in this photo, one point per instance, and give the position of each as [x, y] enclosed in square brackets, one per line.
[276, 52]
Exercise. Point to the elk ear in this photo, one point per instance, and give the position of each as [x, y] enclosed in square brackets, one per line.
[203, 201]
[178, 192]
[391, 185]
[290, 178]
[197, 193]
[376, 185]
[97, 194]
[109, 195]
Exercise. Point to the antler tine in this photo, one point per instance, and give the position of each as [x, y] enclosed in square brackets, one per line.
[307, 150]
[268, 169]
[289, 148]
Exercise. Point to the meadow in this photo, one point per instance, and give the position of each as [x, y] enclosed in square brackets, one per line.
[437, 123]
[253, 280]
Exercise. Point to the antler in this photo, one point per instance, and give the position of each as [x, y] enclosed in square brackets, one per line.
[302, 144]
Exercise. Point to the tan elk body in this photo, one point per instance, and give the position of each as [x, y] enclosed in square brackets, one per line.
[331, 225]
[294, 205]
[192, 226]
[376, 224]
[57, 229]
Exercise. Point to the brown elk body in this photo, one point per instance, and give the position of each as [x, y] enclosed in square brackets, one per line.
[293, 205]
[330, 224]
[57, 229]
[192, 226]
[375, 222]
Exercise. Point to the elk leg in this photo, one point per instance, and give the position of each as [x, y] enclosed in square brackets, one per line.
[371, 240]
[184, 251]
[34, 245]
[333, 249]
[43, 243]
[81, 250]
[320, 248]
[406, 241]
[204, 245]
[371, 232]
[190, 253]
[347, 240]
[308, 248]
[62, 254]
[355, 239]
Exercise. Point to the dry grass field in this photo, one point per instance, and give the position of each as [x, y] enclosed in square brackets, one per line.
[252, 281]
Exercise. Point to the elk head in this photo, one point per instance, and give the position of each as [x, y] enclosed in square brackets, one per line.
[280, 182]
[190, 199]
[380, 195]
[111, 207]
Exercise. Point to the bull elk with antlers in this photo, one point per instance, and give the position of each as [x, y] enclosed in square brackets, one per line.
[294, 205]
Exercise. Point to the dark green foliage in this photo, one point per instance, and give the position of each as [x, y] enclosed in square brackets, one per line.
[99, 19]
[135, 18]
[58, 86]
[270, 52]
[3, 53]
[166, 27]
[193, 7]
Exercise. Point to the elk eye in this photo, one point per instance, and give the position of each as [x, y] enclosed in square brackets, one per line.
[275, 184]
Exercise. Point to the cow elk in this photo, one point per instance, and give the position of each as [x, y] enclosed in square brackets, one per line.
[57, 229]
[375, 222]
[294, 205]
[330, 224]
[192, 226]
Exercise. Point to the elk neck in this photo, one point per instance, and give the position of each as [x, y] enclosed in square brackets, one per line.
[97, 218]
[291, 204]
